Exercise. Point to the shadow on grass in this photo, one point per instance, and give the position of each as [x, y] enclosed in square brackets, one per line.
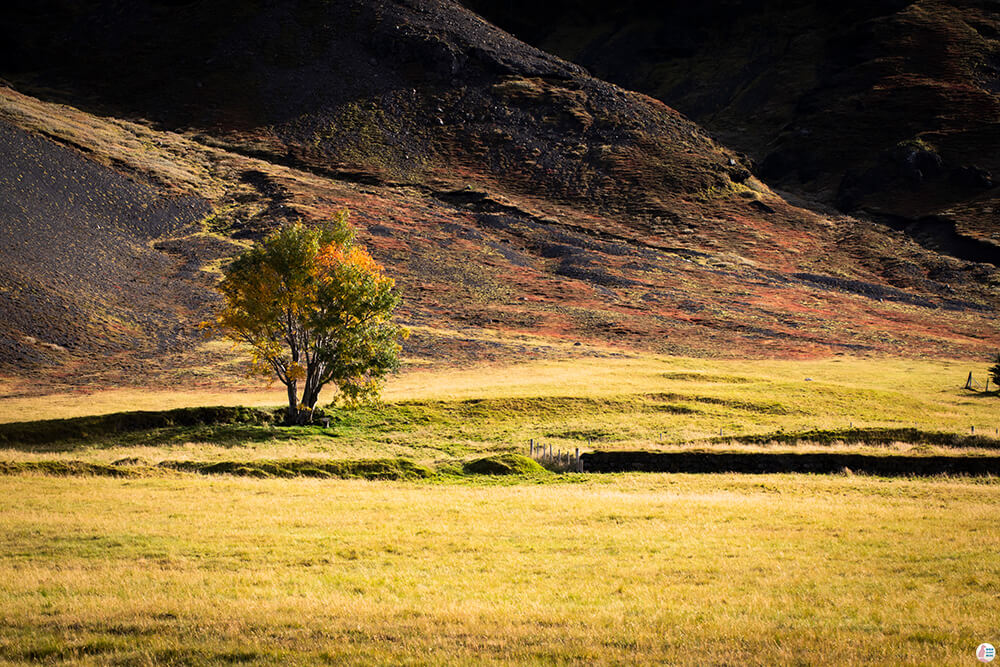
[234, 426]
[814, 463]
[220, 425]
[390, 469]
[867, 436]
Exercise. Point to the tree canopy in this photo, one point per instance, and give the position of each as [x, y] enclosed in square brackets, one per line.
[313, 308]
[993, 372]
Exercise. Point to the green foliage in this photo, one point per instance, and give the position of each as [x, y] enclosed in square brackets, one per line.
[313, 308]
[994, 371]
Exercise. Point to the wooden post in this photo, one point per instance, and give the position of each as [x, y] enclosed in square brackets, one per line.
[968, 383]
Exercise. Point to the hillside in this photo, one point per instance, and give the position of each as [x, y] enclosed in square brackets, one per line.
[524, 205]
[889, 108]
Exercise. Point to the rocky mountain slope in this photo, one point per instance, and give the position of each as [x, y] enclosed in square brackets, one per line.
[887, 108]
[524, 205]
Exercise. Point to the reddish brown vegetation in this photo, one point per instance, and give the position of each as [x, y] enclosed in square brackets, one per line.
[505, 189]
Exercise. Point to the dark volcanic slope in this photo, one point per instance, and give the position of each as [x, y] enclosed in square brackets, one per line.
[78, 272]
[517, 199]
[887, 106]
[418, 91]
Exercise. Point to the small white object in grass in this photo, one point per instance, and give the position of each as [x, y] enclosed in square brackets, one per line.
[809, 379]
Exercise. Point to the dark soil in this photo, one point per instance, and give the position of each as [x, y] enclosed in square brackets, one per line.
[78, 274]
[828, 98]
[704, 462]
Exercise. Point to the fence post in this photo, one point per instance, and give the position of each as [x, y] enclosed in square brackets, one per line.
[531, 448]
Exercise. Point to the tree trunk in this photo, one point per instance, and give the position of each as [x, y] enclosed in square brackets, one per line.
[310, 396]
[293, 403]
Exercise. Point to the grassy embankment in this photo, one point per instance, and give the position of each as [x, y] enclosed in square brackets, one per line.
[634, 569]
[618, 403]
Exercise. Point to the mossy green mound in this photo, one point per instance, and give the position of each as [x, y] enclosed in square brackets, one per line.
[503, 464]
[365, 468]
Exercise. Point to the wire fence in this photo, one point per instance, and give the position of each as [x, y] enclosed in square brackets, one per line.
[973, 384]
[555, 459]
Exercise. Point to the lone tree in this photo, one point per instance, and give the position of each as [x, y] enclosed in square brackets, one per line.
[313, 308]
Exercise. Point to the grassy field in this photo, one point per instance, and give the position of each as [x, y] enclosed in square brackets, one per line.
[635, 569]
[165, 566]
[433, 416]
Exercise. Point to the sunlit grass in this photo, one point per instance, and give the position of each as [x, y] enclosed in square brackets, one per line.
[624, 569]
[611, 403]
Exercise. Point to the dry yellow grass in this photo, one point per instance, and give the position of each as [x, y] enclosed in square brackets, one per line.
[623, 569]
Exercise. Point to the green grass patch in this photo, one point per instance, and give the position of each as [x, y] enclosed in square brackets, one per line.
[504, 464]
[705, 377]
[363, 469]
[344, 469]
[615, 404]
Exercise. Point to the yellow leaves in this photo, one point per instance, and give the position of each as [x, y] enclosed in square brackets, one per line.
[296, 371]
